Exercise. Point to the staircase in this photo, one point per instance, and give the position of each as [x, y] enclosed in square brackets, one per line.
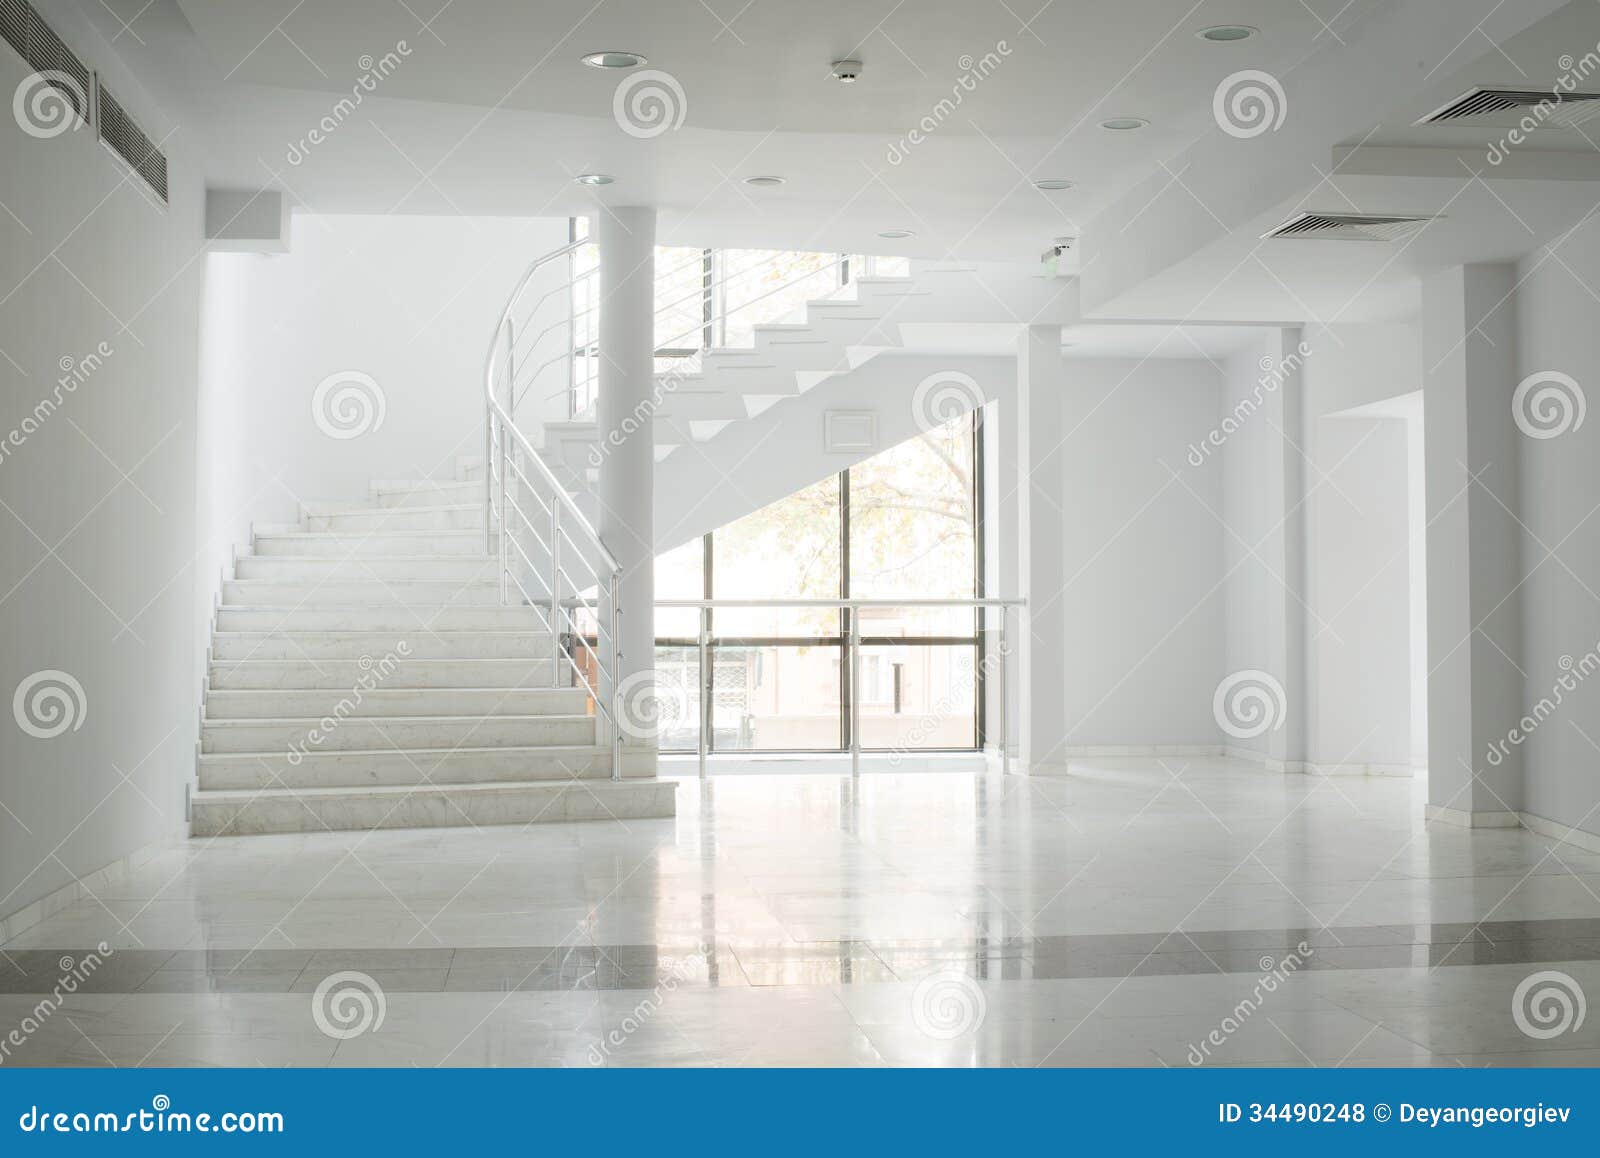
[827, 334]
[364, 674]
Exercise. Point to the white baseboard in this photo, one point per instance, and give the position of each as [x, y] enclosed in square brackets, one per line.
[1468, 819]
[1086, 750]
[1311, 768]
[15, 924]
[1565, 833]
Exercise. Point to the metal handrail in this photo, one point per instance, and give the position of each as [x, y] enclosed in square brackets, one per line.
[726, 313]
[699, 327]
[506, 449]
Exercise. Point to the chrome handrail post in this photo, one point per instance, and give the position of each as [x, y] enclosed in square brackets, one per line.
[504, 470]
[616, 656]
[855, 691]
[555, 591]
[704, 676]
[1005, 695]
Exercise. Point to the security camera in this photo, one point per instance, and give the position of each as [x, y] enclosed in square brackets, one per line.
[846, 71]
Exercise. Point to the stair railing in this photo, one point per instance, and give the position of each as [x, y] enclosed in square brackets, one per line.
[715, 312]
[549, 556]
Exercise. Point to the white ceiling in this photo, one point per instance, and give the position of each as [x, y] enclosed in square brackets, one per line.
[490, 112]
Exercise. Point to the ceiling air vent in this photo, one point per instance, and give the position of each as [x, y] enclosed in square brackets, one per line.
[1505, 108]
[126, 139]
[46, 53]
[1347, 227]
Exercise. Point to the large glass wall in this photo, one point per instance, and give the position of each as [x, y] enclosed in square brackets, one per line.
[904, 523]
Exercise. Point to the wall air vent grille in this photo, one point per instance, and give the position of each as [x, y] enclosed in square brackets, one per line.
[1504, 108]
[126, 139]
[46, 53]
[1347, 227]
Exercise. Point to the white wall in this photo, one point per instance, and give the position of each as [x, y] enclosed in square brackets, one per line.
[1251, 519]
[1356, 611]
[1359, 654]
[409, 301]
[96, 534]
[1144, 590]
[1559, 487]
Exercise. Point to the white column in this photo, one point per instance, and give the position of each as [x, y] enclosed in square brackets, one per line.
[1285, 548]
[1469, 352]
[625, 413]
[1041, 549]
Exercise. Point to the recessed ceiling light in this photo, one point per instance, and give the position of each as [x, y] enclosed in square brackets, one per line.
[1226, 33]
[1124, 124]
[1051, 184]
[895, 234]
[614, 60]
[594, 179]
[765, 181]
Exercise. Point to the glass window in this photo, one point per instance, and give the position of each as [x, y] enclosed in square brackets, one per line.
[906, 523]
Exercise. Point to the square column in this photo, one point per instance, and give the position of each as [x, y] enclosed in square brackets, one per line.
[1039, 415]
[1469, 347]
[1285, 547]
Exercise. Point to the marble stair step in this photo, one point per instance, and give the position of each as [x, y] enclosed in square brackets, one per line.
[234, 646]
[408, 621]
[254, 770]
[388, 702]
[217, 813]
[409, 672]
[425, 493]
[360, 592]
[391, 567]
[397, 733]
[328, 544]
[361, 520]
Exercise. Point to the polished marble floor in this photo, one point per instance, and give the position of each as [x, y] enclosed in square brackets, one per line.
[1136, 912]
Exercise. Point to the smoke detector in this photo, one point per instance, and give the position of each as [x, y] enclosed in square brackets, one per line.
[847, 71]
